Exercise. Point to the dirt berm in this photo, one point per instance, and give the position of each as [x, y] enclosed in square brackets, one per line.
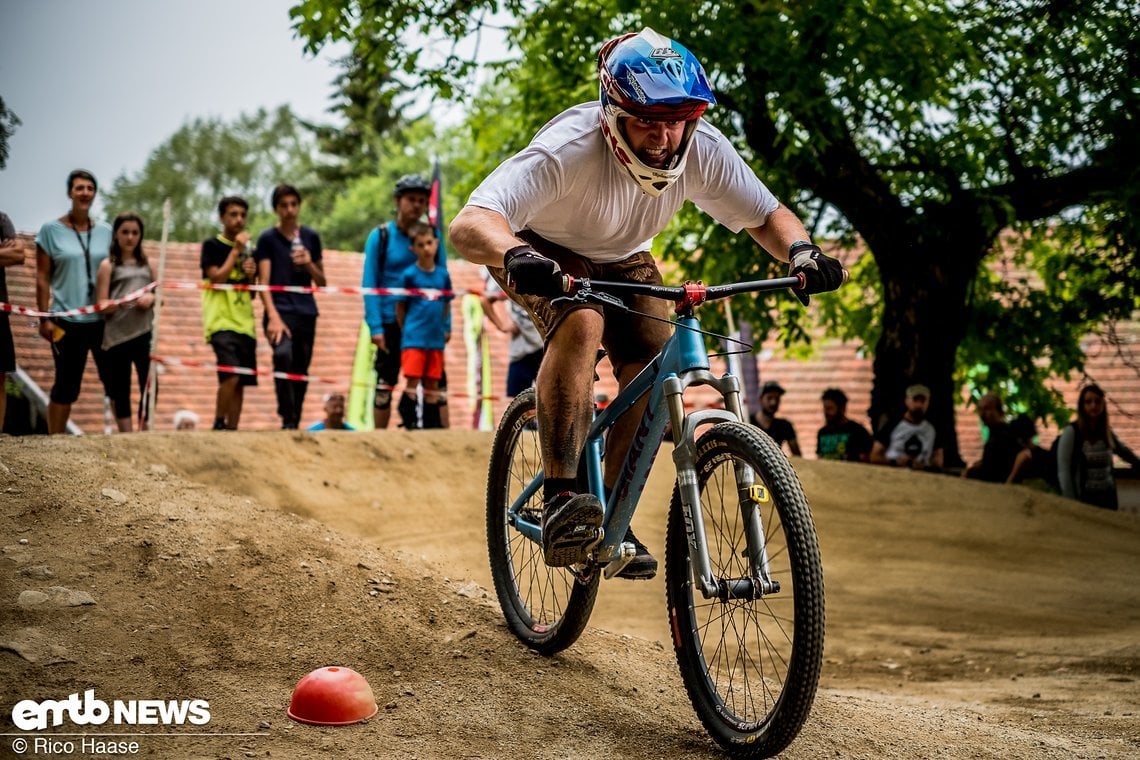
[965, 620]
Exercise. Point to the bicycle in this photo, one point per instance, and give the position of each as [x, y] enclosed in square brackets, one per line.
[744, 582]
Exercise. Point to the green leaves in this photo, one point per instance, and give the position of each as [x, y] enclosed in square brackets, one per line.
[207, 159]
[925, 128]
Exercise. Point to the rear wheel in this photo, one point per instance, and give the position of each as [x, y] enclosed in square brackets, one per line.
[547, 608]
[750, 665]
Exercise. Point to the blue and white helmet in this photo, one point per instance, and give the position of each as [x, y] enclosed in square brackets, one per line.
[651, 77]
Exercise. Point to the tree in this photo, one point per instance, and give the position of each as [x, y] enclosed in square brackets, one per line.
[927, 129]
[207, 159]
[8, 123]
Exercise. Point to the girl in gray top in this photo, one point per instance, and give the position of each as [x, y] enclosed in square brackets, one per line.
[126, 336]
[1084, 453]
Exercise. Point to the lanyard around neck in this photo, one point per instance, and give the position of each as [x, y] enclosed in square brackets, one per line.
[86, 249]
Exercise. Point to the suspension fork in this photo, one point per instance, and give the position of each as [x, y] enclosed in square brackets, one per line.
[750, 495]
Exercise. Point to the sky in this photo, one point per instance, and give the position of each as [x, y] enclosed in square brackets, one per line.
[99, 85]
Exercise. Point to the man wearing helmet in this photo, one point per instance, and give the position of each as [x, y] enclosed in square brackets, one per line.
[387, 254]
[586, 198]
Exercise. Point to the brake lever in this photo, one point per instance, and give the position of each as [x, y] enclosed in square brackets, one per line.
[585, 295]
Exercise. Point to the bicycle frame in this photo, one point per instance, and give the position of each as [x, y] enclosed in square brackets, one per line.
[682, 362]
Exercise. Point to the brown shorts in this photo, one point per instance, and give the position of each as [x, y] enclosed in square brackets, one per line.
[628, 338]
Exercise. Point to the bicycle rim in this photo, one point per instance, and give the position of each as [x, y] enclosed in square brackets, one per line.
[750, 666]
[547, 608]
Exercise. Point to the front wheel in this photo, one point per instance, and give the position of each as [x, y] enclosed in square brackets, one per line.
[750, 665]
[547, 608]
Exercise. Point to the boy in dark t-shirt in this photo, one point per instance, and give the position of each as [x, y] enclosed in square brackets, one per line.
[290, 254]
[227, 315]
[840, 438]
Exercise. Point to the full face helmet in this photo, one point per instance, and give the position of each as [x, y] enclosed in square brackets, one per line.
[650, 77]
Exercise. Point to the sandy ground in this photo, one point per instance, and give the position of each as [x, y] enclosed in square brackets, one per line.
[964, 619]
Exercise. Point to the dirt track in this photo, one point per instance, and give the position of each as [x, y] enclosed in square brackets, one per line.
[964, 619]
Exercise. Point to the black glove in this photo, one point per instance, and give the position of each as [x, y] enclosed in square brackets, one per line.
[821, 272]
[531, 273]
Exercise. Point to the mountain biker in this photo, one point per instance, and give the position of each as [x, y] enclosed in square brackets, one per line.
[585, 198]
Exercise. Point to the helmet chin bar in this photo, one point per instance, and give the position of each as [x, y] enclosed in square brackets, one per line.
[651, 180]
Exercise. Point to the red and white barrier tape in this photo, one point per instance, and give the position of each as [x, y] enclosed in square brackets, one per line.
[92, 309]
[429, 293]
[231, 370]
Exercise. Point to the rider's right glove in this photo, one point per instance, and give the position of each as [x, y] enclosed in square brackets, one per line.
[531, 273]
[821, 272]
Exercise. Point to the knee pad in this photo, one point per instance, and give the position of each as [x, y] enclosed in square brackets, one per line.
[432, 418]
[407, 410]
[441, 395]
[383, 398]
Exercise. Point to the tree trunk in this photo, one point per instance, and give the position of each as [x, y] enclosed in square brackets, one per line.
[924, 318]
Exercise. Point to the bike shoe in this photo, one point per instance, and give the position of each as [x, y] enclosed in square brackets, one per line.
[643, 566]
[571, 522]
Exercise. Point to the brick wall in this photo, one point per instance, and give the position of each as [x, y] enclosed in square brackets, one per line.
[180, 332]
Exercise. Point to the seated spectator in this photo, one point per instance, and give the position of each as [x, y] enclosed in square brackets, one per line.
[334, 414]
[840, 438]
[912, 440]
[1084, 453]
[184, 419]
[1032, 461]
[765, 418]
[1002, 446]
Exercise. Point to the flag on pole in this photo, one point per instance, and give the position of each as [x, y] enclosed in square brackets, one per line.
[435, 204]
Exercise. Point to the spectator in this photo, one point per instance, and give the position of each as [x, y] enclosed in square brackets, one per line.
[765, 418]
[425, 324]
[227, 315]
[290, 254]
[69, 251]
[840, 438]
[185, 420]
[525, 352]
[911, 441]
[1032, 461]
[387, 255]
[334, 413]
[1002, 447]
[1084, 453]
[11, 254]
[127, 328]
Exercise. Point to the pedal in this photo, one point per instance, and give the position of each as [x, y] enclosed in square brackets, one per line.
[573, 549]
[628, 552]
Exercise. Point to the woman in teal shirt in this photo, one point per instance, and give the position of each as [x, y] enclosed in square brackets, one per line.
[69, 251]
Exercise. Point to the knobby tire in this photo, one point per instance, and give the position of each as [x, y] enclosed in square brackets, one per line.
[750, 667]
[547, 608]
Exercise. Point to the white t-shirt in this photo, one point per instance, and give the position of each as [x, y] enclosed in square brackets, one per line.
[916, 441]
[567, 187]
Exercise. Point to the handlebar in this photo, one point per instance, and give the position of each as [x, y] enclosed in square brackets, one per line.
[685, 296]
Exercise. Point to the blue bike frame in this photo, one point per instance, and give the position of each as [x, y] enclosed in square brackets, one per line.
[683, 361]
